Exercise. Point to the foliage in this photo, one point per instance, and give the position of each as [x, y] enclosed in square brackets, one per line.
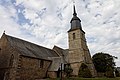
[84, 71]
[68, 70]
[102, 61]
[109, 73]
[117, 73]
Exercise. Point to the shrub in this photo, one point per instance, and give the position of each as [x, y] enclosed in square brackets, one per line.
[68, 70]
[109, 73]
[84, 71]
[117, 73]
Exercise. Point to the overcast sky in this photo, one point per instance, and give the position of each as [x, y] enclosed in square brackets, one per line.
[46, 22]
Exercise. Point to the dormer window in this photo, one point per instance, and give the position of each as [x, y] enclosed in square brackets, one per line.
[74, 36]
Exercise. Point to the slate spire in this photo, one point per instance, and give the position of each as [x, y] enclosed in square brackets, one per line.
[74, 14]
[75, 21]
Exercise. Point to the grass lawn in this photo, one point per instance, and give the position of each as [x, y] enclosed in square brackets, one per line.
[95, 78]
[117, 78]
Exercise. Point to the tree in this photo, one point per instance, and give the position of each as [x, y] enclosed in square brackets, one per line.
[84, 71]
[68, 69]
[103, 62]
[117, 73]
[109, 73]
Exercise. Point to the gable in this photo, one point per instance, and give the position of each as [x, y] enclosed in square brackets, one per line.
[62, 52]
[30, 49]
[3, 41]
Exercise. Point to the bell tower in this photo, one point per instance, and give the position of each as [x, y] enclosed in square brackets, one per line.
[78, 49]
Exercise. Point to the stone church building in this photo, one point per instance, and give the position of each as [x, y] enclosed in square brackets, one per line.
[23, 60]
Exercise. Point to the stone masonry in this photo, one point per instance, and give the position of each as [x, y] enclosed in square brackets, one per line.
[78, 50]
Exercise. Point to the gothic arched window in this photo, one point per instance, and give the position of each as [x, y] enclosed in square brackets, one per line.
[74, 36]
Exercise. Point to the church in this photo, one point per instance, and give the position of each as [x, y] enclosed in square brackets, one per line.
[23, 60]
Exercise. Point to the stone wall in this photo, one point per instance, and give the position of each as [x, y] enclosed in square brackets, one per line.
[16, 67]
[75, 67]
[79, 52]
[8, 60]
[32, 68]
[76, 52]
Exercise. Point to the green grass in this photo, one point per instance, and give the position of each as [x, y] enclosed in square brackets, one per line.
[95, 79]
[117, 78]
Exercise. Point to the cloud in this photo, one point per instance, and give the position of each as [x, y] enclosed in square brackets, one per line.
[46, 22]
[6, 22]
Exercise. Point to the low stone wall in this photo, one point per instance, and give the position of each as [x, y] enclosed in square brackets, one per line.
[52, 74]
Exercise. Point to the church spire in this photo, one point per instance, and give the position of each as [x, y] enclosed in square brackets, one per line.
[75, 21]
[74, 14]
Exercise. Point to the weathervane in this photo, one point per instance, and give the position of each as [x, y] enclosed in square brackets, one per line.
[4, 32]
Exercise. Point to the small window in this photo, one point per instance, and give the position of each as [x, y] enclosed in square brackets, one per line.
[74, 36]
[11, 60]
[41, 64]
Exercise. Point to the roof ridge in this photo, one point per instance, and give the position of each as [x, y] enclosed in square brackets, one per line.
[57, 47]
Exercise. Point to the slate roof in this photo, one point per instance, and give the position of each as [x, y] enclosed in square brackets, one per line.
[56, 62]
[58, 50]
[62, 52]
[30, 49]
